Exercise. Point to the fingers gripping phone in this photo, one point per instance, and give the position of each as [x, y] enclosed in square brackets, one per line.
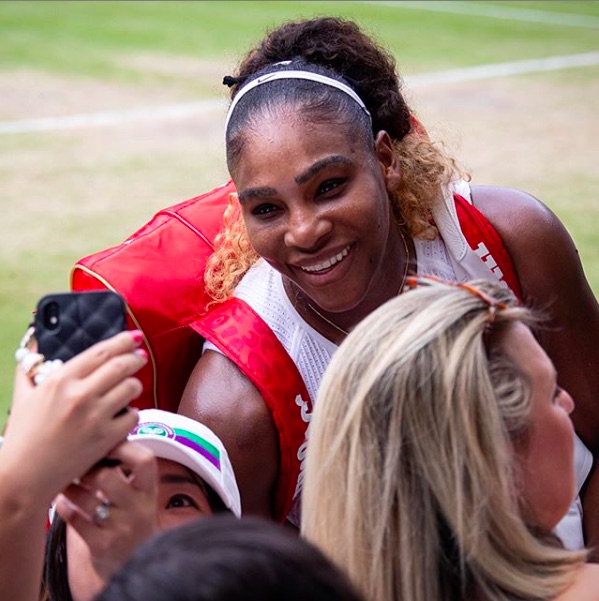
[67, 323]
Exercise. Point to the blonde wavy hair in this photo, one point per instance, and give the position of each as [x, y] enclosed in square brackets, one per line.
[426, 170]
[410, 483]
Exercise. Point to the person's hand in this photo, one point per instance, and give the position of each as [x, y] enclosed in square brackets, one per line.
[110, 511]
[58, 430]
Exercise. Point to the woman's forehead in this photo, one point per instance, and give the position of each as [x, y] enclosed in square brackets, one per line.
[289, 131]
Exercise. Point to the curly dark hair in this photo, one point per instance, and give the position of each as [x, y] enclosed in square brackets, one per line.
[340, 46]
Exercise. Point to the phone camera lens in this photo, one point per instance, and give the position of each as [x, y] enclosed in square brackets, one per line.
[51, 316]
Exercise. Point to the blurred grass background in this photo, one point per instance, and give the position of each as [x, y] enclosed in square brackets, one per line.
[67, 193]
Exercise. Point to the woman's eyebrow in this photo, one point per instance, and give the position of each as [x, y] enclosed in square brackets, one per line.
[311, 171]
[263, 192]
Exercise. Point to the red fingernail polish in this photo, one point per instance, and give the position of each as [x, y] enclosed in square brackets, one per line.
[137, 336]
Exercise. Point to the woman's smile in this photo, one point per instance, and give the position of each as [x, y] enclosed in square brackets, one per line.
[324, 266]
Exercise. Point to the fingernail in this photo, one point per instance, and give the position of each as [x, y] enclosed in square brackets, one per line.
[140, 352]
[137, 336]
[64, 502]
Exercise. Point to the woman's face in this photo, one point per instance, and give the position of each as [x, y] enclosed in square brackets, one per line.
[315, 201]
[546, 457]
[181, 498]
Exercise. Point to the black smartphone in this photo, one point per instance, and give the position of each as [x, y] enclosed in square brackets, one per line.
[69, 322]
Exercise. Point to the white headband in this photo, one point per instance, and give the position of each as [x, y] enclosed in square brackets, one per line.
[327, 81]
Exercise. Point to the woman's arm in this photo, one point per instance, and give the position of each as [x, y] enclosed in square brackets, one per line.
[223, 399]
[55, 433]
[552, 279]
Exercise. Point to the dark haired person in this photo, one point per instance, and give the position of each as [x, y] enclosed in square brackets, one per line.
[229, 560]
[341, 196]
[172, 471]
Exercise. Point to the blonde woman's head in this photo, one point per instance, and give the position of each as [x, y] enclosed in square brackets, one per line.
[419, 450]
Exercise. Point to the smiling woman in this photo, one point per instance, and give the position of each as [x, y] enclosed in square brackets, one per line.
[342, 194]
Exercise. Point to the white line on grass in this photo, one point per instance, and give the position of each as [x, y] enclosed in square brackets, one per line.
[497, 12]
[177, 111]
[174, 111]
[551, 63]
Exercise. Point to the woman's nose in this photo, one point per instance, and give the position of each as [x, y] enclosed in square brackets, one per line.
[566, 401]
[305, 228]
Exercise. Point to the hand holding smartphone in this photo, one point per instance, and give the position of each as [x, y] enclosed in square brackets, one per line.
[67, 323]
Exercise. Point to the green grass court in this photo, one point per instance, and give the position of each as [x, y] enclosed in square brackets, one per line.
[68, 192]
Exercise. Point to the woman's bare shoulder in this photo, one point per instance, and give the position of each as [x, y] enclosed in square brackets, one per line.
[221, 397]
[511, 209]
[585, 586]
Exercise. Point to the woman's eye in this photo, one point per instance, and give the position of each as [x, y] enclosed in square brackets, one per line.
[263, 210]
[330, 185]
[179, 501]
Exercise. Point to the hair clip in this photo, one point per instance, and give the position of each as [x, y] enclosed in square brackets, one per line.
[494, 304]
[231, 80]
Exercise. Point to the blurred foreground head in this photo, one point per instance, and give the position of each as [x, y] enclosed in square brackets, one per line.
[441, 451]
[222, 558]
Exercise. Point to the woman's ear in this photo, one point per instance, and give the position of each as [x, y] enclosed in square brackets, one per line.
[388, 161]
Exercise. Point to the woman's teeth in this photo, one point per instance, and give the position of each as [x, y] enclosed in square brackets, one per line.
[328, 263]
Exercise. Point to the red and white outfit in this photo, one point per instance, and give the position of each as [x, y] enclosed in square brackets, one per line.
[449, 256]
